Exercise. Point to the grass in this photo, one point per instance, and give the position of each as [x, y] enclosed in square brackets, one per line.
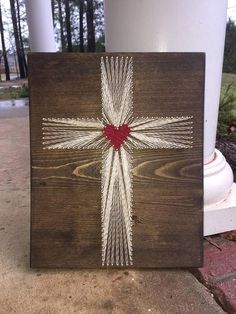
[227, 79]
[14, 93]
[227, 109]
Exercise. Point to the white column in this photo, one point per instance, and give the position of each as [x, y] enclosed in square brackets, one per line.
[182, 26]
[40, 23]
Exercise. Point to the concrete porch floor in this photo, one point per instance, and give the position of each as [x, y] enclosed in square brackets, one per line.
[24, 290]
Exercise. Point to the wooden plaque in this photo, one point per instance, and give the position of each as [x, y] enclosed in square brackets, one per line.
[154, 220]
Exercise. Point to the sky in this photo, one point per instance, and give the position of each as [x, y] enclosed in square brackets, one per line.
[232, 9]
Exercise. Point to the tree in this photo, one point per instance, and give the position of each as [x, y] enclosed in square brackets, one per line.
[4, 53]
[61, 22]
[17, 40]
[230, 48]
[20, 36]
[99, 25]
[90, 26]
[81, 25]
[53, 11]
[68, 26]
[78, 14]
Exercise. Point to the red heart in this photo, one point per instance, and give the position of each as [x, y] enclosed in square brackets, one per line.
[116, 136]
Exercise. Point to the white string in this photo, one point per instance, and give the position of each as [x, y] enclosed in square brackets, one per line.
[163, 132]
[117, 90]
[63, 133]
[116, 208]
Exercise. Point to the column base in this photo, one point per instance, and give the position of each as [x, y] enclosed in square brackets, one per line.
[221, 217]
[219, 196]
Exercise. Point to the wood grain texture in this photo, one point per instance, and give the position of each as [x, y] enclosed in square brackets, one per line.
[66, 185]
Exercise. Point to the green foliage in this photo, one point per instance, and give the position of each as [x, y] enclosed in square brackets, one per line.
[230, 48]
[98, 21]
[227, 119]
[100, 44]
[20, 92]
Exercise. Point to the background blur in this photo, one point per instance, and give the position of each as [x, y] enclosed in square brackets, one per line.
[79, 27]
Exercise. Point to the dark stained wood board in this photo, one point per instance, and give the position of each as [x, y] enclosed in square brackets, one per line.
[168, 183]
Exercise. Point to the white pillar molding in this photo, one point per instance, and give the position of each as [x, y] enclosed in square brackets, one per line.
[218, 178]
[220, 196]
[184, 26]
[40, 23]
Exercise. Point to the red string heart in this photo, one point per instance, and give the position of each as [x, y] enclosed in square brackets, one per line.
[116, 136]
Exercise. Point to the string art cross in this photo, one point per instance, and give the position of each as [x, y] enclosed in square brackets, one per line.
[117, 134]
